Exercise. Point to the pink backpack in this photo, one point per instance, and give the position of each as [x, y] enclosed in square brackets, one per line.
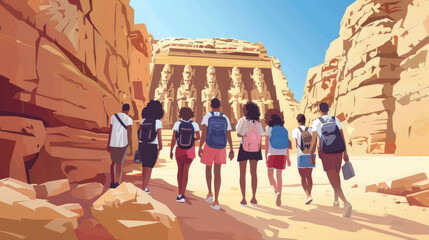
[252, 139]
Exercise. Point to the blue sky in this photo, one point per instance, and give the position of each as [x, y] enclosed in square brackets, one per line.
[297, 32]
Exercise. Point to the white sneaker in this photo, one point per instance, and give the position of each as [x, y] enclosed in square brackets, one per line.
[336, 204]
[147, 190]
[347, 210]
[309, 200]
[278, 199]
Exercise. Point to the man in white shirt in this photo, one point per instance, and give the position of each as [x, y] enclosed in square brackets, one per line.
[119, 140]
[331, 161]
[211, 155]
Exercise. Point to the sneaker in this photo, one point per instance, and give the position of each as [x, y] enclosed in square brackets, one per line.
[309, 200]
[336, 204]
[278, 199]
[182, 199]
[147, 190]
[178, 198]
[112, 185]
[347, 210]
[116, 185]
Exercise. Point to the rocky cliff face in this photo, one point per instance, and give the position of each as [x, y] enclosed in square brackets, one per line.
[375, 77]
[66, 67]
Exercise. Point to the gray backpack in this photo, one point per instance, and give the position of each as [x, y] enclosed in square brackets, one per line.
[331, 140]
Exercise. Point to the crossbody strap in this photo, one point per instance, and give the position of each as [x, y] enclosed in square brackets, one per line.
[120, 121]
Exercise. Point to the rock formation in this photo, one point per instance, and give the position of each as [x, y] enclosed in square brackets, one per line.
[66, 66]
[375, 77]
[225, 59]
[127, 212]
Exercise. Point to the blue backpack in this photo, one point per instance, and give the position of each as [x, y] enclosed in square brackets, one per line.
[216, 131]
[279, 138]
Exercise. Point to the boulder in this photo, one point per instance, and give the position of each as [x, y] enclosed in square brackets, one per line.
[74, 207]
[21, 187]
[87, 191]
[52, 188]
[24, 217]
[420, 186]
[419, 199]
[127, 212]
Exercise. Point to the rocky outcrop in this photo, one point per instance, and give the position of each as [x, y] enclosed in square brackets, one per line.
[127, 212]
[66, 67]
[23, 216]
[373, 77]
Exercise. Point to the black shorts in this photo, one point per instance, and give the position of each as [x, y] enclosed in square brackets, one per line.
[243, 155]
[149, 154]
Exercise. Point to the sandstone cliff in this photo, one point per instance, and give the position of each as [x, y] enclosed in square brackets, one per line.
[66, 67]
[375, 77]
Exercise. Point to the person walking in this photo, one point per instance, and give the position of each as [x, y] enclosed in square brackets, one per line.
[216, 134]
[249, 128]
[119, 140]
[185, 133]
[150, 139]
[303, 137]
[332, 150]
[276, 150]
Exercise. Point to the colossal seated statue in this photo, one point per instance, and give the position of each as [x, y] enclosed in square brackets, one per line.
[260, 94]
[187, 93]
[211, 89]
[165, 94]
[237, 95]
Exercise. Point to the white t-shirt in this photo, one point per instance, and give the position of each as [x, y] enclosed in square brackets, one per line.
[208, 115]
[271, 150]
[119, 136]
[297, 135]
[158, 125]
[177, 124]
[317, 125]
[242, 127]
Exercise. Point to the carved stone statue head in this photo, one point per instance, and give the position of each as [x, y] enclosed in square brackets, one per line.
[187, 76]
[236, 77]
[258, 78]
[165, 76]
[211, 77]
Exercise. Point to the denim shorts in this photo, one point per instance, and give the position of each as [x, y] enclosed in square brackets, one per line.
[305, 162]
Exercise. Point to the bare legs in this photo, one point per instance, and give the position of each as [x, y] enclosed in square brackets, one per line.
[276, 184]
[147, 172]
[217, 182]
[114, 169]
[334, 179]
[253, 173]
[306, 180]
[182, 176]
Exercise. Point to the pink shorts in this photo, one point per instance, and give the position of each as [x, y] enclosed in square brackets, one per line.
[213, 155]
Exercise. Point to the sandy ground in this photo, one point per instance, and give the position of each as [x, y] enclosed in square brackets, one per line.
[375, 215]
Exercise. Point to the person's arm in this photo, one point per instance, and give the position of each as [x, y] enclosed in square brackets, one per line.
[267, 142]
[313, 147]
[130, 139]
[202, 140]
[108, 141]
[345, 155]
[173, 143]
[197, 137]
[288, 158]
[159, 140]
[231, 149]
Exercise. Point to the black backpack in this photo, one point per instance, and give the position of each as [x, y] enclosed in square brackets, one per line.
[147, 132]
[186, 135]
[331, 139]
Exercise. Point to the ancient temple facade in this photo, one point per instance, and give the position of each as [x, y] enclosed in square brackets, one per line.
[192, 72]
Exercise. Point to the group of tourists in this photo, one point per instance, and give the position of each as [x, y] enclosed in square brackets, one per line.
[216, 137]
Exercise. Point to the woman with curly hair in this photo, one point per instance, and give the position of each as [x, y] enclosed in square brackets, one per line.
[150, 139]
[250, 129]
[276, 157]
[185, 133]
